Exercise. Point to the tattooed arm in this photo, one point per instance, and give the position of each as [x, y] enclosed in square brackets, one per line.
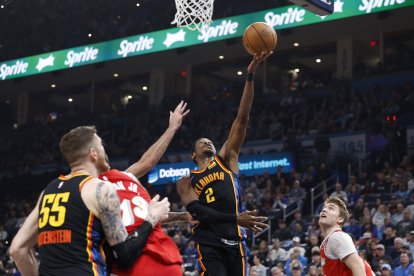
[109, 213]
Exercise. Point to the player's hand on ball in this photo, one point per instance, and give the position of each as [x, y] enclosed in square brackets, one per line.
[257, 59]
[158, 210]
[248, 219]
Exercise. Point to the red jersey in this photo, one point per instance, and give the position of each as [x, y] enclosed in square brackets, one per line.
[134, 200]
[336, 246]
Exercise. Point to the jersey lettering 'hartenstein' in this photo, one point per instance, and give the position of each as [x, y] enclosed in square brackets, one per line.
[207, 180]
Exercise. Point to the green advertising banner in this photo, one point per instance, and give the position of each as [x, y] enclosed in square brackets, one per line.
[220, 29]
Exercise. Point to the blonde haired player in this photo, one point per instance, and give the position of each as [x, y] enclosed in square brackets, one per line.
[338, 253]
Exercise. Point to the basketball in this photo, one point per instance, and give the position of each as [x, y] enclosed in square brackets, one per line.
[259, 37]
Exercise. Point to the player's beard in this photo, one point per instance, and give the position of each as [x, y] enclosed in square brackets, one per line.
[103, 164]
[208, 153]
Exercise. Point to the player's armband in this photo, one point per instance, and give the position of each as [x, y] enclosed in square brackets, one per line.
[126, 252]
[207, 214]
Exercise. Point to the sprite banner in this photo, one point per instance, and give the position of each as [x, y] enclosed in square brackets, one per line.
[220, 29]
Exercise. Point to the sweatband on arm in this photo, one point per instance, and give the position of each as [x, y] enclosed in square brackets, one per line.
[126, 252]
[208, 215]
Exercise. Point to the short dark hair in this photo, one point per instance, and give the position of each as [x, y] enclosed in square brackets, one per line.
[75, 144]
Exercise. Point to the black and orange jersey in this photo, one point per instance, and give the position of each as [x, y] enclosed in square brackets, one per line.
[218, 187]
[70, 237]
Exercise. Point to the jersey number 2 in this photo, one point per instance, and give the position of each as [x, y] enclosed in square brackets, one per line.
[209, 195]
[52, 203]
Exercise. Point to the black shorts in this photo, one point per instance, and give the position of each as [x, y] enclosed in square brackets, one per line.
[222, 261]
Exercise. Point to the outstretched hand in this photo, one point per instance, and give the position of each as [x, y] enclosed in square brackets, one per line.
[176, 117]
[257, 59]
[248, 219]
[158, 210]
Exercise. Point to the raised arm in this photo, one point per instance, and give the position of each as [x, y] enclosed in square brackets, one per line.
[22, 245]
[231, 149]
[151, 157]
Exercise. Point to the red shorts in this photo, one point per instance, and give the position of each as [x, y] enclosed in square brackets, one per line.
[148, 266]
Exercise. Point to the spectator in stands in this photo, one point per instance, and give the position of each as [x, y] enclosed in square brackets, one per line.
[276, 271]
[410, 241]
[312, 271]
[398, 215]
[358, 209]
[389, 236]
[298, 219]
[381, 230]
[299, 232]
[258, 266]
[353, 183]
[353, 227]
[406, 250]
[282, 232]
[353, 195]
[394, 251]
[405, 224]
[380, 185]
[380, 215]
[191, 250]
[277, 254]
[405, 268]
[297, 194]
[296, 248]
[386, 270]
[263, 252]
[294, 268]
[339, 192]
[380, 255]
[316, 258]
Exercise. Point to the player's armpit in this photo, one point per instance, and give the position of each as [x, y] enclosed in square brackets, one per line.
[355, 264]
[109, 213]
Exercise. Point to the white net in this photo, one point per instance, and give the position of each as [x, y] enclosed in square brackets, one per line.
[193, 14]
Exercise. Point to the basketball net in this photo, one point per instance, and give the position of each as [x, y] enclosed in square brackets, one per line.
[193, 14]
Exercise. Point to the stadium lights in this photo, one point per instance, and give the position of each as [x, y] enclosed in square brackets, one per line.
[296, 44]
[239, 73]
[116, 75]
[221, 57]
[70, 100]
[297, 70]
[318, 60]
[2, 6]
[53, 85]
[144, 88]
[129, 97]
[90, 35]
[138, 4]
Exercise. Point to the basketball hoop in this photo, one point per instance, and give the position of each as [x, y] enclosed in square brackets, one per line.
[193, 14]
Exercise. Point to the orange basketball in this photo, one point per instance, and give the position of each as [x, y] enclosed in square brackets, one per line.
[259, 37]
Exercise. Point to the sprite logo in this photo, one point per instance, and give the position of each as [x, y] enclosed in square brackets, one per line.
[291, 16]
[225, 28]
[88, 54]
[20, 67]
[368, 5]
[141, 44]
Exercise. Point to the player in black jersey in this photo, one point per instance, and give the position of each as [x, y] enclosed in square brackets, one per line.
[76, 212]
[212, 195]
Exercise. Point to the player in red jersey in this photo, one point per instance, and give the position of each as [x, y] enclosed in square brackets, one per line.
[160, 255]
[338, 253]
